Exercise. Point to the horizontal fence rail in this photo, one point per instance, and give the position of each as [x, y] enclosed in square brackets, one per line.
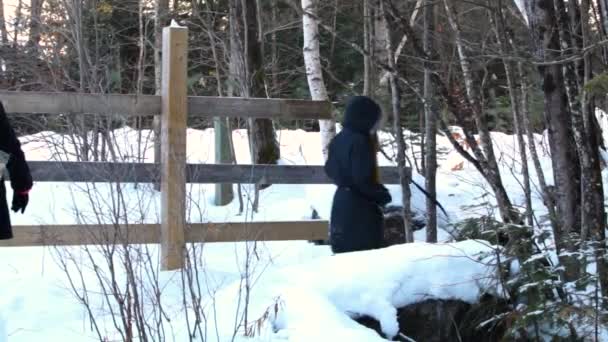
[173, 106]
[67, 235]
[99, 172]
[150, 105]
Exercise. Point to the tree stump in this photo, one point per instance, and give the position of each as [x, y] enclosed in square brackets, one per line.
[394, 232]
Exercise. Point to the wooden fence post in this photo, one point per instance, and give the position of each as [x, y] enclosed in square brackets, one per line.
[174, 103]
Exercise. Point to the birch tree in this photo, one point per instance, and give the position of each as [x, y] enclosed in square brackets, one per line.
[314, 72]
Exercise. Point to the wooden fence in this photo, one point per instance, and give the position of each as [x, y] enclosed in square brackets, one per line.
[173, 106]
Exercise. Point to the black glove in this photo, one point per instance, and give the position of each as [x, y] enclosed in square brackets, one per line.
[384, 198]
[20, 201]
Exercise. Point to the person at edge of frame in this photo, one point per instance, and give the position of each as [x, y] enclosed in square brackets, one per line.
[356, 221]
[20, 177]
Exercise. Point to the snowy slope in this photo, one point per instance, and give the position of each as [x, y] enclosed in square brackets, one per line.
[315, 300]
[36, 303]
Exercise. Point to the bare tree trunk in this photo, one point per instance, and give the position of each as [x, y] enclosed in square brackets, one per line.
[403, 41]
[430, 168]
[546, 192]
[161, 14]
[404, 176]
[262, 136]
[76, 26]
[593, 220]
[592, 214]
[235, 75]
[18, 20]
[314, 71]
[332, 45]
[566, 166]
[492, 171]
[367, 38]
[75, 12]
[35, 24]
[238, 77]
[247, 67]
[3, 31]
[224, 193]
[463, 109]
[265, 148]
[592, 198]
[274, 52]
[422, 127]
[95, 61]
[501, 39]
[379, 31]
[141, 58]
[576, 26]
[603, 4]
[598, 220]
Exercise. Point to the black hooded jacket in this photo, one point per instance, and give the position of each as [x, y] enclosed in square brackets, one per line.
[356, 217]
[21, 179]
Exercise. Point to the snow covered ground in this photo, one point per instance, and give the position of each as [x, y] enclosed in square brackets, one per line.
[302, 281]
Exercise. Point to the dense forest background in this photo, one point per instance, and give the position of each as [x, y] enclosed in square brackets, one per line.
[111, 47]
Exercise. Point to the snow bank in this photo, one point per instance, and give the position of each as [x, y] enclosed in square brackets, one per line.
[3, 332]
[315, 301]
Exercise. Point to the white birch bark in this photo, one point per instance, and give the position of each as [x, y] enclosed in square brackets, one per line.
[314, 72]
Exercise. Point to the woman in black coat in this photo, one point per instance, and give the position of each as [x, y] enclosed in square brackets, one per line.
[356, 221]
[21, 179]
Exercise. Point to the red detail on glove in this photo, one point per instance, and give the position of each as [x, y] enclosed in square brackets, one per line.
[24, 192]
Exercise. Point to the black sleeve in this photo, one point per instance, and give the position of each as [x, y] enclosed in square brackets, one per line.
[331, 167]
[21, 179]
[362, 166]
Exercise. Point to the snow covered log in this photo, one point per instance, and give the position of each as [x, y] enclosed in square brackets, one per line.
[320, 300]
